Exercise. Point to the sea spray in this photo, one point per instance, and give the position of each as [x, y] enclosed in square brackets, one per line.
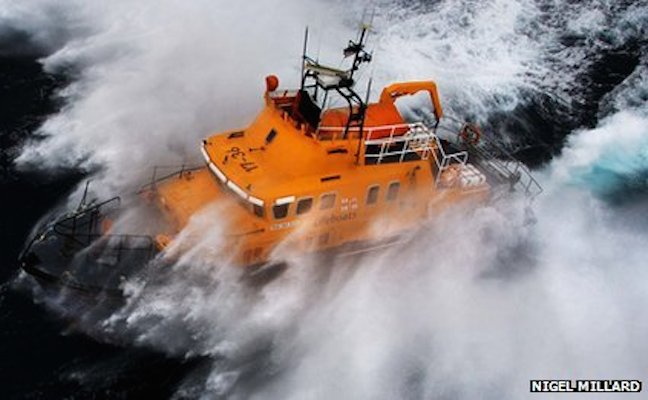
[475, 306]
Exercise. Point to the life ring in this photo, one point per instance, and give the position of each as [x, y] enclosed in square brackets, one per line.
[470, 133]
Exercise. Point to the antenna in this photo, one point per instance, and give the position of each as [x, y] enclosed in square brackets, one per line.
[328, 78]
[357, 49]
[364, 17]
[373, 14]
[304, 57]
[85, 195]
[368, 90]
[364, 107]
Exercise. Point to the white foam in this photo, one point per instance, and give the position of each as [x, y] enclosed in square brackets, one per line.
[475, 307]
[156, 77]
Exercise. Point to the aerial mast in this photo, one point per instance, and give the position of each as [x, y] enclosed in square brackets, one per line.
[304, 58]
[357, 49]
[316, 76]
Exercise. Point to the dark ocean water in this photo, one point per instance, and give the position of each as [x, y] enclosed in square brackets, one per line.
[43, 356]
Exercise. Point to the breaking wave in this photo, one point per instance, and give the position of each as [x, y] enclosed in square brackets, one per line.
[476, 304]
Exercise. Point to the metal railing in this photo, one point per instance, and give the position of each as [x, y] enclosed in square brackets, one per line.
[496, 161]
[403, 139]
[178, 170]
[82, 229]
[394, 143]
[83, 222]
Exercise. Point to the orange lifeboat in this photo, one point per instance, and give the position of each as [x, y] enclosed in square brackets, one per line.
[299, 175]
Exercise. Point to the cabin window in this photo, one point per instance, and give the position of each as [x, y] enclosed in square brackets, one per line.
[280, 210]
[372, 194]
[392, 191]
[327, 201]
[258, 210]
[304, 205]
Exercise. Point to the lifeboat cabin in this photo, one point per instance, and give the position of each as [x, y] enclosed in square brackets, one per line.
[314, 178]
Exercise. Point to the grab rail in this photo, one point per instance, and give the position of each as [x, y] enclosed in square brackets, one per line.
[494, 159]
[183, 169]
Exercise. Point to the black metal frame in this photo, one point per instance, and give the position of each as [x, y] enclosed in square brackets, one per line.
[79, 234]
[357, 106]
[184, 169]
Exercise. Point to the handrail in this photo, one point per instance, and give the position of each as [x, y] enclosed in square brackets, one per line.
[487, 154]
[80, 212]
[367, 130]
[179, 172]
[416, 139]
[70, 232]
[87, 237]
[498, 161]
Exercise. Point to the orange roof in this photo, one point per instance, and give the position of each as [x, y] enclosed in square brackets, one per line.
[377, 114]
[276, 169]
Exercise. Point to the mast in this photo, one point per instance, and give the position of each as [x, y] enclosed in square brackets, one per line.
[316, 76]
[304, 57]
[360, 134]
[357, 49]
